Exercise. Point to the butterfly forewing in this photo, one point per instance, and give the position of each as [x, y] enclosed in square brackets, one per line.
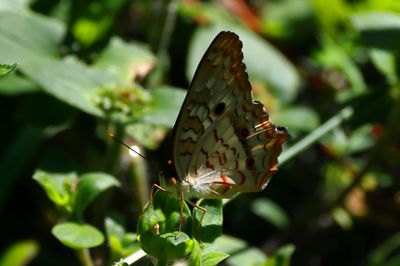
[224, 142]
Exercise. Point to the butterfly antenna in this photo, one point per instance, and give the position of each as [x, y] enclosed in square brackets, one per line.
[126, 145]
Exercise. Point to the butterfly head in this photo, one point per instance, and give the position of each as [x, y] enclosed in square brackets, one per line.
[282, 133]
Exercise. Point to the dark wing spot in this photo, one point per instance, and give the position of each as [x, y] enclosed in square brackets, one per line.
[243, 133]
[250, 162]
[219, 108]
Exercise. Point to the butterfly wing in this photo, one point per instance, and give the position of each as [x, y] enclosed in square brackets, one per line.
[223, 140]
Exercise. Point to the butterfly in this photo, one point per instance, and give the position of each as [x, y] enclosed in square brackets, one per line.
[223, 141]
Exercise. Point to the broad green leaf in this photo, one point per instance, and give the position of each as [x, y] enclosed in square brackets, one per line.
[379, 29]
[5, 69]
[18, 42]
[207, 226]
[211, 258]
[271, 212]
[128, 61]
[229, 244]
[158, 227]
[14, 85]
[263, 61]
[164, 107]
[19, 253]
[78, 236]
[249, 256]
[14, 5]
[70, 81]
[89, 187]
[58, 187]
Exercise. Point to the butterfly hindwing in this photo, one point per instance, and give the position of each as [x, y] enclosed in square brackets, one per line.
[222, 137]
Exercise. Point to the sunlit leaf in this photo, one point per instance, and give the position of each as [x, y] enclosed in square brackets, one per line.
[78, 236]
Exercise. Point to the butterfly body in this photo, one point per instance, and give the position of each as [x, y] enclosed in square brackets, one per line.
[223, 140]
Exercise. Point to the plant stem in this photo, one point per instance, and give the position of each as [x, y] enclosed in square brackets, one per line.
[114, 152]
[138, 174]
[168, 25]
[84, 257]
[303, 144]
[135, 257]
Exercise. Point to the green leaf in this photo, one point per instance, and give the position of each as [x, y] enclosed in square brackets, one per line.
[385, 62]
[5, 69]
[282, 19]
[195, 258]
[164, 107]
[385, 254]
[211, 258]
[14, 85]
[281, 257]
[14, 5]
[70, 81]
[120, 242]
[208, 229]
[18, 42]
[158, 227]
[78, 236]
[334, 56]
[229, 244]
[128, 61]
[271, 212]
[89, 187]
[58, 187]
[263, 61]
[379, 29]
[249, 256]
[19, 253]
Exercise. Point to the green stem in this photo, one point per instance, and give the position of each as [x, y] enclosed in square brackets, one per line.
[134, 257]
[139, 180]
[84, 257]
[170, 7]
[114, 152]
[306, 142]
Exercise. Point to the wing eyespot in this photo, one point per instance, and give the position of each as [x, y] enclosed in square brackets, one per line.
[243, 133]
[219, 108]
[250, 162]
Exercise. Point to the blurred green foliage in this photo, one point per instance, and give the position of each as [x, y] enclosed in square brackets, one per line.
[73, 71]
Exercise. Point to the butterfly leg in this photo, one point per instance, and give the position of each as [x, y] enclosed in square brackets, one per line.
[153, 188]
[203, 210]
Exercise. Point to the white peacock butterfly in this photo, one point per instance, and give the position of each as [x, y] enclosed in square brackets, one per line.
[223, 140]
